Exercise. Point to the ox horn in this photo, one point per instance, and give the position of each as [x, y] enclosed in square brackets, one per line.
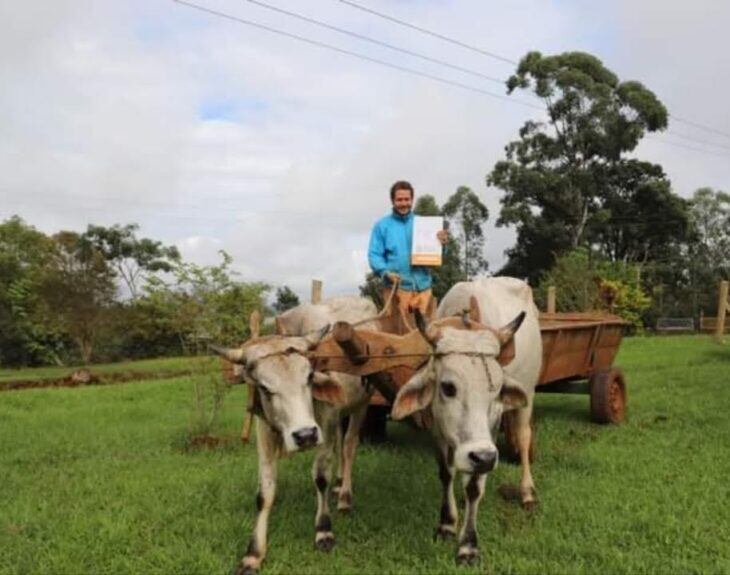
[507, 332]
[475, 314]
[431, 333]
[234, 355]
[472, 314]
[315, 337]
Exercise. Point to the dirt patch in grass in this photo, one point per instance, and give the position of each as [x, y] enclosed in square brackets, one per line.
[209, 442]
[14, 529]
[509, 492]
[83, 377]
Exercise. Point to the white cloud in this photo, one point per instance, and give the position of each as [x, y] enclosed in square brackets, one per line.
[101, 117]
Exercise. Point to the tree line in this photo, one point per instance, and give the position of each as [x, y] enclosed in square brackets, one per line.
[603, 226]
[107, 294]
[588, 211]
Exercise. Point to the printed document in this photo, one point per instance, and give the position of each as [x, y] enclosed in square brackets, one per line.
[426, 250]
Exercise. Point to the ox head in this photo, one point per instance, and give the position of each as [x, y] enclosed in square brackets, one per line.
[466, 388]
[281, 376]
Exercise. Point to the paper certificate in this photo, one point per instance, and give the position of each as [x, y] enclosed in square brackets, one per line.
[426, 250]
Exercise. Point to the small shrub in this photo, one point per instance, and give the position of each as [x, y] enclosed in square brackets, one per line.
[209, 393]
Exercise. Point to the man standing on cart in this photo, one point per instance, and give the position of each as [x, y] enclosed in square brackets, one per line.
[389, 253]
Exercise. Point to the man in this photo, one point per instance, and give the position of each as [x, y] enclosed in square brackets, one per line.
[389, 253]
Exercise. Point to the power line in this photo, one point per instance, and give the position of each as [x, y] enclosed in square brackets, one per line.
[401, 68]
[696, 141]
[429, 32]
[700, 126]
[424, 56]
[358, 55]
[377, 42]
[494, 55]
[677, 145]
[397, 67]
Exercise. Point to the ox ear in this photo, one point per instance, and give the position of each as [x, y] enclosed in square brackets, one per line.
[512, 395]
[234, 355]
[327, 389]
[415, 395]
[507, 332]
[315, 337]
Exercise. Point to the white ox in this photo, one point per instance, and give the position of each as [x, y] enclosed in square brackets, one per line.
[468, 390]
[297, 409]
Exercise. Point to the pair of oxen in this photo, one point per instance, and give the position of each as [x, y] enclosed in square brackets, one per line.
[463, 384]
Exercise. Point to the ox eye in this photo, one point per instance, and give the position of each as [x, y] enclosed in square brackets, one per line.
[266, 391]
[448, 389]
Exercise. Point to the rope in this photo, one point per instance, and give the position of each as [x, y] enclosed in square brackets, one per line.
[482, 354]
[386, 308]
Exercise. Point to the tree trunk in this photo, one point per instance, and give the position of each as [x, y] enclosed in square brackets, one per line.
[86, 347]
[578, 232]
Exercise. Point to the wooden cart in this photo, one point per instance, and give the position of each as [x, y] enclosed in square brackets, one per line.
[578, 350]
[578, 354]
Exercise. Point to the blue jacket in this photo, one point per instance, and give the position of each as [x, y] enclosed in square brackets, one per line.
[390, 251]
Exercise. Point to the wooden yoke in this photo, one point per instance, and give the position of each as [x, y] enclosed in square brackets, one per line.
[506, 352]
[354, 347]
[365, 352]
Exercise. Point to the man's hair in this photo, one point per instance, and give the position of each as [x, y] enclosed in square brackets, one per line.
[400, 185]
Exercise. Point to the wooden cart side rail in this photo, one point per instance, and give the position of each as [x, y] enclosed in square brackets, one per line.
[576, 350]
[554, 322]
[365, 352]
[592, 316]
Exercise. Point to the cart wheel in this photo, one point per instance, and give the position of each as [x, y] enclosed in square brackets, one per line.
[608, 396]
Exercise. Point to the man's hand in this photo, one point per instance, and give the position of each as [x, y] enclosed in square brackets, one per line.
[443, 237]
[393, 277]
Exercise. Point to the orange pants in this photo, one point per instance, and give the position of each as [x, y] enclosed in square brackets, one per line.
[409, 301]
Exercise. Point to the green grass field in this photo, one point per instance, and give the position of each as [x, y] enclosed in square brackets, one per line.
[95, 480]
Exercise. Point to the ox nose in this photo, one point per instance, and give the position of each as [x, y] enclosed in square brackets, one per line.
[305, 437]
[483, 460]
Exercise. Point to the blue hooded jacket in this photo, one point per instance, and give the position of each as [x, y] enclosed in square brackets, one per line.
[390, 251]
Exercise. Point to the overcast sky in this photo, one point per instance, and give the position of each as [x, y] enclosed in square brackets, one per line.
[214, 135]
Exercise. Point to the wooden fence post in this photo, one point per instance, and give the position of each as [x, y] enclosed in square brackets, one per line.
[316, 291]
[254, 325]
[722, 306]
[551, 299]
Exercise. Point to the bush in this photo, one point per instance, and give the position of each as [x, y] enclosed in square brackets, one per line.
[584, 282]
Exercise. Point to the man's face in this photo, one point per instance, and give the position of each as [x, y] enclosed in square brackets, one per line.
[402, 202]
